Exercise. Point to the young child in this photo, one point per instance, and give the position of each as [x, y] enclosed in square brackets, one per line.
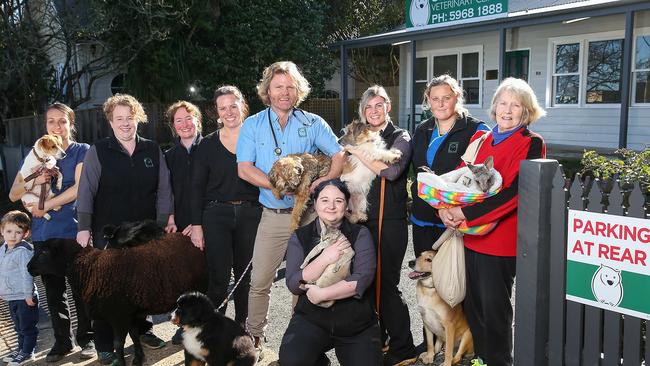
[17, 285]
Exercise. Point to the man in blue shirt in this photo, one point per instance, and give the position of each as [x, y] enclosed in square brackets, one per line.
[277, 131]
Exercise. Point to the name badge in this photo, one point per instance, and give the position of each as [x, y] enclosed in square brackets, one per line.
[453, 147]
[302, 132]
[148, 162]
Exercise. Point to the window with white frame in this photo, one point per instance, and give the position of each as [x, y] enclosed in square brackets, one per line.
[641, 70]
[463, 65]
[587, 70]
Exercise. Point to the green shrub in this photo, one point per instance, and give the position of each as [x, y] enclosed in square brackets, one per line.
[631, 167]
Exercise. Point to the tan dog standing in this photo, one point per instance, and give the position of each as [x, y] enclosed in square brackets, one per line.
[294, 174]
[356, 175]
[440, 319]
[41, 159]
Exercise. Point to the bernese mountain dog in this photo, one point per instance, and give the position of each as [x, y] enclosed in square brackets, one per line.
[209, 336]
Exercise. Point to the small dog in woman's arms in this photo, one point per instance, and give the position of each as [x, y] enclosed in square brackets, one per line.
[358, 176]
[42, 160]
[294, 174]
[209, 336]
[334, 272]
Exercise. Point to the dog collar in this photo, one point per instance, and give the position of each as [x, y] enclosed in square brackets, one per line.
[38, 157]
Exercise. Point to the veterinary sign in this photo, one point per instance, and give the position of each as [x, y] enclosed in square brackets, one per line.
[608, 262]
[434, 13]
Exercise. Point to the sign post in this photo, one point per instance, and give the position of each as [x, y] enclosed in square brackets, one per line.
[608, 262]
[435, 13]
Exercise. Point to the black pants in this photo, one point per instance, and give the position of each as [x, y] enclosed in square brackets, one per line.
[424, 237]
[487, 305]
[393, 312]
[229, 232]
[57, 302]
[304, 344]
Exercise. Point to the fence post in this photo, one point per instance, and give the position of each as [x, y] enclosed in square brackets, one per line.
[533, 253]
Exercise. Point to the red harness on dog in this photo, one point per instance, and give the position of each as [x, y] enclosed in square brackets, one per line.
[41, 170]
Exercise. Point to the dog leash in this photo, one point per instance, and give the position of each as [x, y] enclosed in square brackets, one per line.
[225, 301]
[381, 220]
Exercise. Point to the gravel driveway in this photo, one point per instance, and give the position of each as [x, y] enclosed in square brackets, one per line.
[280, 312]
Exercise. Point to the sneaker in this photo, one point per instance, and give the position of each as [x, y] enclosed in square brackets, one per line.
[88, 351]
[105, 358]
[56, 355]
[258, 344]
[10, 356]
[21, 358]
[478, 362]
[178, 337]
[151, 341]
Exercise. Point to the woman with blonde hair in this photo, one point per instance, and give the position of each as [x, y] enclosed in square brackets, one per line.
[490, 259]
[393, 312]
[125, 178]
[438, 143]
[225, 210]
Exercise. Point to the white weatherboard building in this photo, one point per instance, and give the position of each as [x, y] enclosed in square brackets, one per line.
[588, 62]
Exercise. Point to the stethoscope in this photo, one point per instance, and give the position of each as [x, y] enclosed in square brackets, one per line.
[278, 151]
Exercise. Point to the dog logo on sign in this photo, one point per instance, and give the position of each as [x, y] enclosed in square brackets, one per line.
[607, 286]
[419, 13]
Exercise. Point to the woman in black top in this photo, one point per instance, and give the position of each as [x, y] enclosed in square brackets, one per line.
[438, 143]
[393, 312]
[350, 324]
[185, 122]
[225, 210]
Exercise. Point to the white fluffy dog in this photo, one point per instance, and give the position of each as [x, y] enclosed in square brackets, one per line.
[43, 156]
[358, 176]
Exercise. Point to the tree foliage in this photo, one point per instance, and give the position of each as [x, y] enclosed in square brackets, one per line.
[354, 19]
[25, 73]
[631, 167]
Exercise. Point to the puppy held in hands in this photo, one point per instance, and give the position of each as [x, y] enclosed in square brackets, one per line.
[294, 174]
[334, 272]
[358, 176]
[42, 160]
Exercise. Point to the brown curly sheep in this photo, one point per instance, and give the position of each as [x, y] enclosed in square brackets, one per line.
[123, 286]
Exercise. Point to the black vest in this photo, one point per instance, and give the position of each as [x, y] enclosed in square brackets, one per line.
[128, 185]
[179, 162]
[447, 158]
[347, 316]
[395, 195]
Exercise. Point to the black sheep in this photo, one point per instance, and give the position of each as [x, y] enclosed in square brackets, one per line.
[122, 287]
[130, 234]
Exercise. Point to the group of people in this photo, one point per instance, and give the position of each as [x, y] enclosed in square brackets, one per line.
[215, 189]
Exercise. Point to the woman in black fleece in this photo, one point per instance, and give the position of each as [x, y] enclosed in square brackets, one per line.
[225, 210]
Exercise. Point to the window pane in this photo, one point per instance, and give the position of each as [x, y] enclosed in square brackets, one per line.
[604, 71]
[421, 68]
[566, 89]
[471, 88]
[419, 91]
[445, 65]
[642, 87]
[642, 53]
[567, 57]
[470, 65]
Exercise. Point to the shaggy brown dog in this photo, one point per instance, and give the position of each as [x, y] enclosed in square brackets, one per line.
[294, 174]
[356, 175]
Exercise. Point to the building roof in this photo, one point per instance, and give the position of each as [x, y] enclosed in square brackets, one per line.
[520, 13]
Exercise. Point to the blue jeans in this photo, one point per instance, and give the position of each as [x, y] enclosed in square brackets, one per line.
[25, 318]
